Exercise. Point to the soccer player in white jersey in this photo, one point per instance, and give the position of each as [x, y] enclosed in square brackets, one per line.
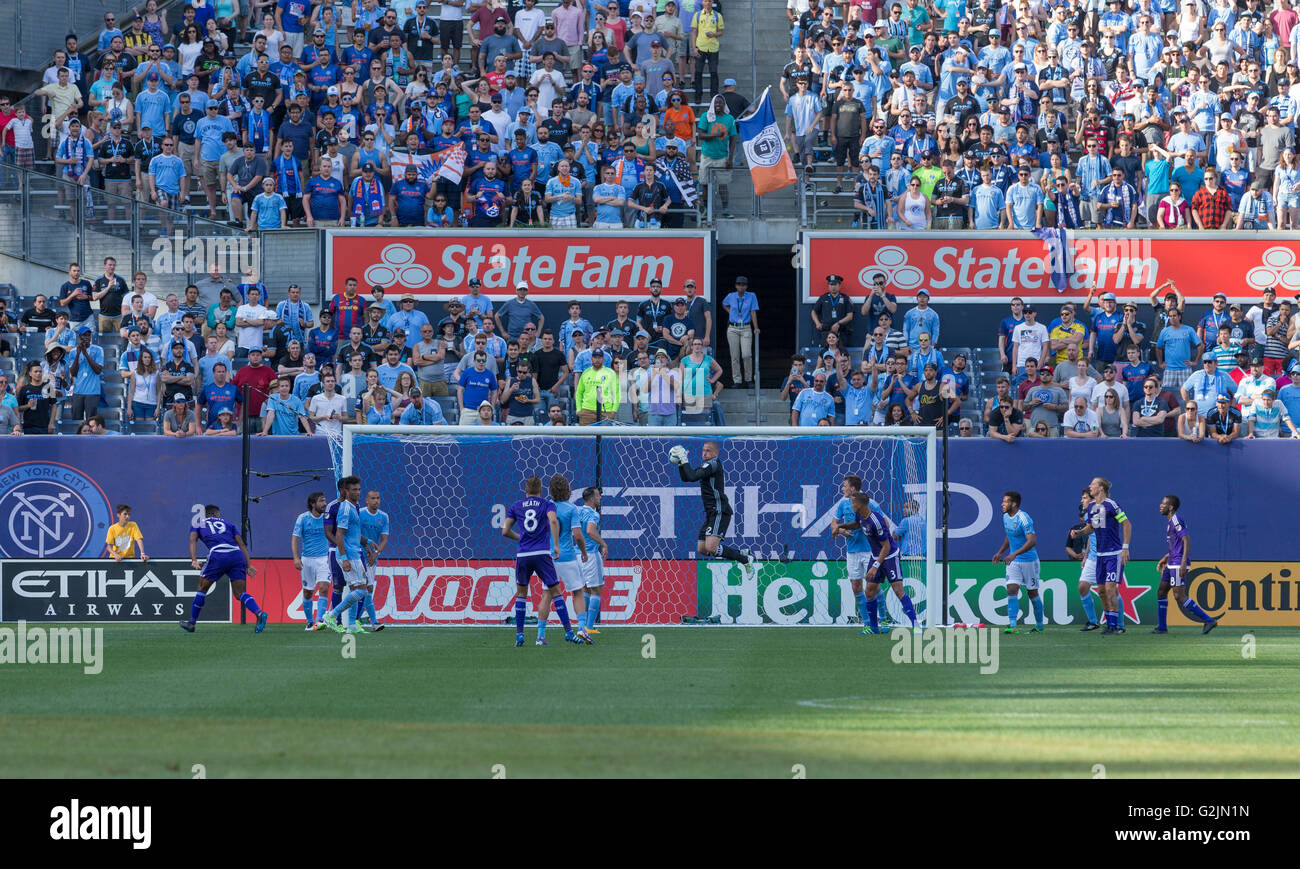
[374, 538]
[1173, 570]
[310, 550]
[593, 551]
[1023, 567]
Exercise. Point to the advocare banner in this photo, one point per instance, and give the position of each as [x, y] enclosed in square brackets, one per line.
[556, 265]
[994, 266]
[104, 590]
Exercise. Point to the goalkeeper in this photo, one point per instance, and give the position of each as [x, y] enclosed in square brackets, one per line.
[717, 509]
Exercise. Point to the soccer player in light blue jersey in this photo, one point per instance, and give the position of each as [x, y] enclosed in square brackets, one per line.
[1113, 532]
[374, 538]
[1022, 562]
[567, 566]
[227, 557]
[539, 546]
[886, 563]
[1173, 570]
[857, 549]
[351, 557]
[593, 551]
[311, 557]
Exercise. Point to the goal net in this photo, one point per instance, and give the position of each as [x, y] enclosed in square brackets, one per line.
[446, 491]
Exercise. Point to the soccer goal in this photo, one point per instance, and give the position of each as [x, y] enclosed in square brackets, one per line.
[447, 489]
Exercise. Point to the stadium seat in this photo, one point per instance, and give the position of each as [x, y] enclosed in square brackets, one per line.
[449, 409]
[143, 427]
[67, 426]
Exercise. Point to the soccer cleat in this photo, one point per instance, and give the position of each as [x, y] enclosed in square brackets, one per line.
[1209, 626]
[356, 629]
[1160, 631]
[319, 626]
[187, 625]
[1090, 626]
[311, 626]
[593, 630]
[747, 572]
[1011, 630]
[1121, 630]
[1035, 630]
[541, 641]
[377, 628]
[261, 622]
[1108, 630]
[519, 640]
[584, 637]
[333, 623]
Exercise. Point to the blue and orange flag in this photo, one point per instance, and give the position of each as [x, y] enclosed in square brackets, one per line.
[769, 163]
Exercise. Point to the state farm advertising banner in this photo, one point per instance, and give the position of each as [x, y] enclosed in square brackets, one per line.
[483, 592]
[994, 266]
[602, 266]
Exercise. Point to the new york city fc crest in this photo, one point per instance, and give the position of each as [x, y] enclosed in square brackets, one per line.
[765, 149]
[51, 510]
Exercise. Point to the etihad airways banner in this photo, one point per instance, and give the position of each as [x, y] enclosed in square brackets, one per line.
[591, 266]
[994, 266]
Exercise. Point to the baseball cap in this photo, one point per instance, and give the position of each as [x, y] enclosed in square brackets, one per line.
[179, 398]
[135, 329]
[1258, 184]
[484, 403]
[728, 82]
[83, 330]
[923, 292]
[331, 91]
[1223, 296]
[1235, 306]
[661, 352]
[1222, 396]
[1020, 66]
[642, 333]
[1030, 309]
[408, 297]
[588, 67]
[680, 300]
[496, 98]
[1108, 297]
[475, 282]
[741, 279]
[1044, 369]
[521, 286]
[415, 392]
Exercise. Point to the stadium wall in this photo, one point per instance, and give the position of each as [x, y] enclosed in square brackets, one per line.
[57, 494]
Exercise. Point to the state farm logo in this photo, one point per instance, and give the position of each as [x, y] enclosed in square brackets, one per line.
[1278, 270]
[50, 510]
[892, 260]
[397, 266]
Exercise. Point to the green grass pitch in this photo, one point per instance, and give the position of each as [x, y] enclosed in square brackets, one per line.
[713, 701]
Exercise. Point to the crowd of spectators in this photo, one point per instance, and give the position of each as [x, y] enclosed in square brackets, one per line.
[1162, 114]
[1095, 369]
[308, 112]
[188, 365]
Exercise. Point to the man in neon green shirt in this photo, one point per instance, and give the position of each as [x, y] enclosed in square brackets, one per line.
[928, 173]
[597, 385]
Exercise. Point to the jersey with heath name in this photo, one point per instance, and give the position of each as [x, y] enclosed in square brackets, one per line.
[1107, 518]
[531, 523]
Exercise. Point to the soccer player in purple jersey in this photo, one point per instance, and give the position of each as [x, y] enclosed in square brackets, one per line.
[336, 572]
[539, 546]
[885, 564]
[1109, 524]
[1173, 570]
[227, 557]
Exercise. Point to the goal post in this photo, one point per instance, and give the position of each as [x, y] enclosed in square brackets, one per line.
[446, 490]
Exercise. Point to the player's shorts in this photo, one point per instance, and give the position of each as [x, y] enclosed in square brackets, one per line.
[857, 564]
[356, 577]
[1024, 574]
[336, 571]
[540, 565]
[570, 573]
[715, 525]
[1089, 572]
[593, 570]
[1174, 576]
[1109, 569]
[228, 564]
[315, 570]
[890, 571]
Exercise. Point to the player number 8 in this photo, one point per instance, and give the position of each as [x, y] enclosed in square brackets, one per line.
[530, 520]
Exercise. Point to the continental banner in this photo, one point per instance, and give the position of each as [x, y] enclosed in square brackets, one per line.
[103, 590]
[1245, 593]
